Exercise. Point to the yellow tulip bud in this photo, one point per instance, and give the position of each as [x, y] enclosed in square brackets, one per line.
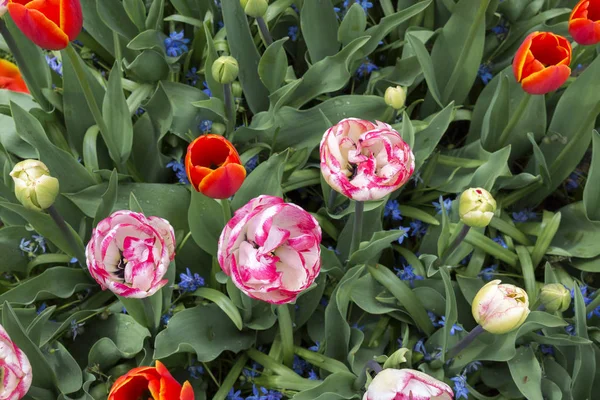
[34, 187]
[255, 8]
[476, 207]
[500, 308]
[225, 69]
[555, 297]
[395, 97]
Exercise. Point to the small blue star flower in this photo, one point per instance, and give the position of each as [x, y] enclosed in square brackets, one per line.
[501, 29]
[547, 349]
[460, 387]
[408, 274]
[366, 68]
[55, 64]
[189, 282]
[234, 395]
[253, 371]
[404, 234]
[485, 73]
[446, 203]
[570, 329]
[455, 328]
[392, 210]
[206, 89]
[524, 215]
[312, 375]
[418, 228]
[179, 169]
[420, 347]
[434, 319]
[299, 365]
[500, 241]
[26, 247]
[42, 307]
[487, 274]
[293, 33]
[195, 371]
[251, 164]
[472, 367]
[316, 347]
[205, 126]
[573, 180]
[176, 44]
[76, 328]
[192, 76]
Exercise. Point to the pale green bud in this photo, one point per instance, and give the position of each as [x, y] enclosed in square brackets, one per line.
[225, 69]
[255, 8]
[34, 187]
[555, 297]
[500, 308]
[236, 88]
[476, 207]
[395, 97]
[218, 128]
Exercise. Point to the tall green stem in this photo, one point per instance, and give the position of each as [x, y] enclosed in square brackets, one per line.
[64, 228]
[229, 107]
[264, 30]
[286, 330]
[514, 120]
[465, 342]
[464, 231]
[357, 228]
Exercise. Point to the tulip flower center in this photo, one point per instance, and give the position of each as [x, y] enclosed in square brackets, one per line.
[212, 154]
[517, 296]
[593, 10]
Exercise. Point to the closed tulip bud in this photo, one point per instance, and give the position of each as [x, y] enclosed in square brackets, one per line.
[225, 69]
[500, 308]
[34, 187]
[218, 128]
[255, 8]
[555, 297]
[476, 207]
[236, 88]
[395, 97]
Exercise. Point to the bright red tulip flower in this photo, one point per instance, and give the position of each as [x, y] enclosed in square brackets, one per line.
[10, 77]
[214, 167]
[584, 22]
[541, 64]
[153, 383]
[51, 24]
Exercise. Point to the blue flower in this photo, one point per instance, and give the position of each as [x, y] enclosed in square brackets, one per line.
[485, 73]
[253, 371]
[573, 180]
[176, 44]
[312, 375]
[408, 274]
[55, 64]
[293, 33]
[251, 164]
[42, 307]
[179, 169]
[570, 329]
[455, 328]
[205, 126]
[299, 365]
[434, 319]
[359, 327]
[167, 317]
[392, 210]
[524, 215]
[466, 260]
[336, 251]
[189, 282]
[140, 111]
[460, 387]
[33, 247]
[420, 347]
[195, 371]
[446, 203]
[472, 367]
[416, 178]
[316, 347]
[41, 242]
[234, 395]
[26, 247]
[404, 234]
[487, 274]
[192, 76]
[501, 29]
[547, 349]
[418, 228]
[366, 68]
[500, 241]
[206, 89]
[76, 328]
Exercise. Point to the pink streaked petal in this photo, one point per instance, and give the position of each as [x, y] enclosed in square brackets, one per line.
[303, 242]
[291, 264]
[141, 275]
[166, 231]
[276, 238]
[256, 268]
[138, 250]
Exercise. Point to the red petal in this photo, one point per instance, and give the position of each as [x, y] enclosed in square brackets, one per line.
[187, 393]
[71, 18]
[521, 57]
[39, 29]
[547, 80]
[223, 182]
[584, 31]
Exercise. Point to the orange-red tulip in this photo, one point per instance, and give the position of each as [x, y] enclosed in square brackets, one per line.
[541, 64]
[153, 383]
[214, 167]
[584, 23]
[10, 77]
[51, 24]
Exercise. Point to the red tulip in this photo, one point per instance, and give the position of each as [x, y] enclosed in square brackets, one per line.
[10, 77]
[541, 64]
[153, 383]
[584, 23]
[51, 24]
[214, 167]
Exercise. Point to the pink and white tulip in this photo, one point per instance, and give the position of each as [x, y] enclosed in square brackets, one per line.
[405, 384]
[130, 253]
[365, 161]
[500, 308]
[15, 369]
[271, 249]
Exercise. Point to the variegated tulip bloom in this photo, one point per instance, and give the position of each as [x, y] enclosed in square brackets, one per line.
[407, 384]
[130, 253]
[500, 308]
[15, 369]
[270, 249]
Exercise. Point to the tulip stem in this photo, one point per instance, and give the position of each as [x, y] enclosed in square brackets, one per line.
[68, 235]
[286, 331]
[264, 30]
[357, 228]
[464, 231]
[149, 314]
[514, 119]
[332, 198]
[229, 107]
[92, 104]
[465, 342]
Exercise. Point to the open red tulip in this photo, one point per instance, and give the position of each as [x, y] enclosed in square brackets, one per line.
[51, 24]
[214, 167]
[541, 64]
[153, 383]
[584, 22]
[10, 77]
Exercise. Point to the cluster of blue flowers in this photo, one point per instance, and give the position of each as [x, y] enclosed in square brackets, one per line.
[441, 322]
[365, 4]
[55, 64]
[392, 210]
[257, 394]
[205, 126]
[445, 203]
[176, 44]
[365, 69]
[36, 245]
[420, 348]
[588, 297]
[485, 73]
[190, 282]
[460, 386]
[572, 182]
[179, 169]
[487, 274]
[303, 368]
[195, 371]
[192, 76]
[500, 241]
[524, 215]
[293, 33]
[167, 317]
[407, 273]
[251, 164]
[418, 228]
